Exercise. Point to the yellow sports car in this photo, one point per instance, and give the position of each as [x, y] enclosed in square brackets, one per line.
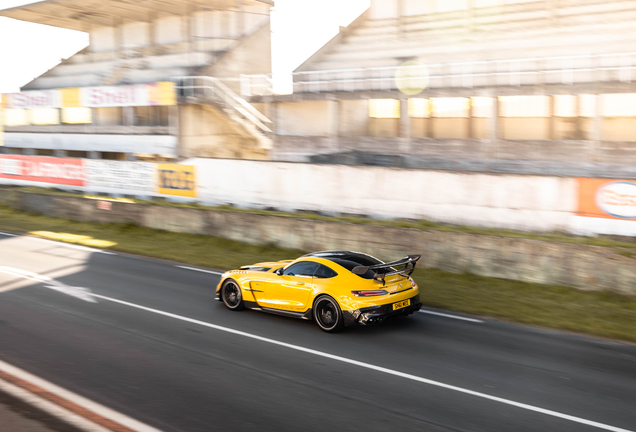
[334, 288]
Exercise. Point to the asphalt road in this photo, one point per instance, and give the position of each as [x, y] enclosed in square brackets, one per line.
[174, 358]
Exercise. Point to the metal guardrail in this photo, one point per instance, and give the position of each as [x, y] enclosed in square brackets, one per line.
[213, 88]
[515, 72]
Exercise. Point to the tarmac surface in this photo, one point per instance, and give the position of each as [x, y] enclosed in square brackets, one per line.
[150, 341]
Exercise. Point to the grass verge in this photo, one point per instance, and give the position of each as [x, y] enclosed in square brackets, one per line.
[599, 313]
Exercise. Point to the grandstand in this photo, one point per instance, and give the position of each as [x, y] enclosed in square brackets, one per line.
[535, 86]
[146, 43]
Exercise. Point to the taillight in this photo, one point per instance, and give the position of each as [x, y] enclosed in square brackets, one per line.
[369, 293]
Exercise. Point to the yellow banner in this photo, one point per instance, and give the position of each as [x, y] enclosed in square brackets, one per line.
[70, 98]
[162, 93]
[178, 180]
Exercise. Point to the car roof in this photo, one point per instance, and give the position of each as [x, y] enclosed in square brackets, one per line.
[345, 255]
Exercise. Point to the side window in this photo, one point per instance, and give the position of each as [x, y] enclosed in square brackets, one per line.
[324, 272]
[304, 268]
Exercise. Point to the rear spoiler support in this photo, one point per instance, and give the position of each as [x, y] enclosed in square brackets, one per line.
[408, 262]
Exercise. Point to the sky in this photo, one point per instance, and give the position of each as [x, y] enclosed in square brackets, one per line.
[299, 28]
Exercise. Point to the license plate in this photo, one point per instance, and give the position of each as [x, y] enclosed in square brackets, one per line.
[402, 304]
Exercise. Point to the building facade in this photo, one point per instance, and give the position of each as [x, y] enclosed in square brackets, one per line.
[131, 93]
[533, 86]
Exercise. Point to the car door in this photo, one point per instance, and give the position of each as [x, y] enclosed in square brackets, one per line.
[291, 289]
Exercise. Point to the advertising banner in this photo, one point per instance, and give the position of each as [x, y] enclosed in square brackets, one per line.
[120, 176]
[153, 94]
[43, 169]
[32, 99]
[603, 198]
[178, 180]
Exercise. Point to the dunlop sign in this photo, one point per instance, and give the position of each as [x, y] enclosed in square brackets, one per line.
[178, 180]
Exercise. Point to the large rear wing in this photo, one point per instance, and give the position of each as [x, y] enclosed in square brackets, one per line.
[408, 262]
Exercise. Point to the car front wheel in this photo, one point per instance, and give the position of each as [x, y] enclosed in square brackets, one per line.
[231, 295]
[328, 315]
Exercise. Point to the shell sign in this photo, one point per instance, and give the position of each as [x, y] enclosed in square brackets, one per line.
[612, 199]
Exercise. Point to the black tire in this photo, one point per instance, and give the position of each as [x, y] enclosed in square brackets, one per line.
[327, 314]
[231, 295]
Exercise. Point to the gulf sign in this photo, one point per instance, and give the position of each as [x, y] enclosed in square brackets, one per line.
[610, 199]
[43, 169]
[177, 180]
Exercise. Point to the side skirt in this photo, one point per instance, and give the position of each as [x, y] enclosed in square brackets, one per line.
[302, 315]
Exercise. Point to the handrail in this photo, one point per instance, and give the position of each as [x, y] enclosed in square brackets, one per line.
[205, 86]
[384, 77]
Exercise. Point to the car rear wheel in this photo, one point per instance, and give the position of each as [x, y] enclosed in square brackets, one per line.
[231, 295]
[328, 315]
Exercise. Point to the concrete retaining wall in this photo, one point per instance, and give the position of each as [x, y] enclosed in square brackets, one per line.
[582, 267]
[531, 203]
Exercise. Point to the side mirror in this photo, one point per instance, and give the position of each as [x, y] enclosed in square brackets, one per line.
[279, 271]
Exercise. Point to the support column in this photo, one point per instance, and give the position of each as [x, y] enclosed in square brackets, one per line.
[494, 127]
[93, 155]
[128, 116]
[552, 119]
[470, 129]
[173, 127]
[152, 42]
[597, 128]
[405, 119]
[333, 116]
[59, 153]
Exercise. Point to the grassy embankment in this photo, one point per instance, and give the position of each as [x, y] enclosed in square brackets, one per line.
[600, 313]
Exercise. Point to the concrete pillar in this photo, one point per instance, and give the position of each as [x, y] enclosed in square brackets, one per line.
[405, 119]
[333, 122]
[271, 113]
[187, 26]
[173, 126]
[578, 133]
[128, 116]
[152, 41]
[93, 155]
[28, 151]
[430, 120]
[59, 153]
[469, 133]
[494, 127]
[240, 17]
[597, 129]
[552, 118]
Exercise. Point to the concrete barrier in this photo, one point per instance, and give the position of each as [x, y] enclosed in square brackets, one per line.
[584, 267]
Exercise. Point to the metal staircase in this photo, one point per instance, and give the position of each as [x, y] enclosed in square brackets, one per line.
[210, 90]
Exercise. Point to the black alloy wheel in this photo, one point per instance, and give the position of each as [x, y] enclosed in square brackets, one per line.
[327, 314]
[231, 295]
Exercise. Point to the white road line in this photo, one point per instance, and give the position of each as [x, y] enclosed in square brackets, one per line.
[451, 316]
[373, 367]
[200, 270]
[7, 234]
[88, 404]
[78, 292]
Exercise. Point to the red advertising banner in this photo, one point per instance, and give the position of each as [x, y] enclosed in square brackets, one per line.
[43, 169]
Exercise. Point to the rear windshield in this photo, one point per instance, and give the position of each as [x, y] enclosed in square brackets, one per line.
[349, 265]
